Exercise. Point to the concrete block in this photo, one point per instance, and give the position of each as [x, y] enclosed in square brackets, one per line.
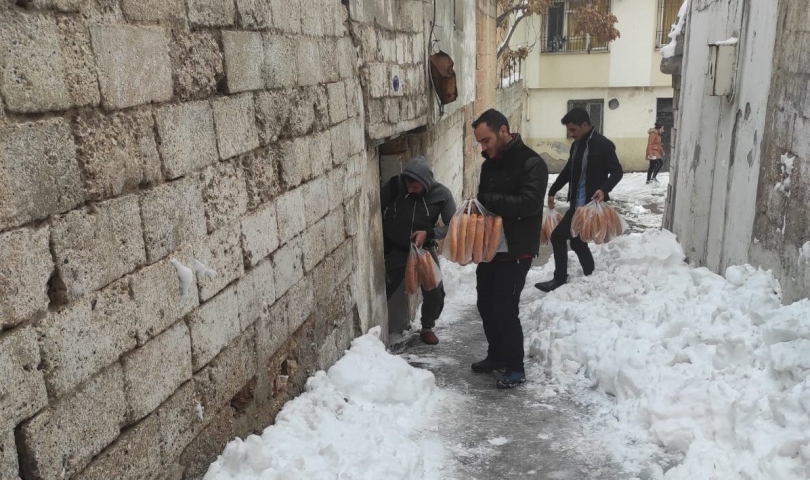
[367, 38]
[377, 80]
[316, 200]
[24, 274]
[244, 59]
[315, 245]
[235, 120]
[341, 143]
[352, 215]
[273, 113]
[301, 117]
[346, 56]
[22, 392]
[39, 175]
[392, 110]
[272, 330]
[309, 62]
[261, 176]
[153, 372]
[314, 17]
[330, 70]
[288, 265]
[154, 10]
[354, 175]
[133, 65]
[211, 13]
[224, 194]
[418, 44]
[89, 335]
[95, 246]
[260, 235]
[180, 419]
[320, 153]
[280, 60]
[256, 291]
[291, 217]
[294, 161]
[33, 65]
[254, 14]
[187, 139]
[300, 303]
[80, 64]
[196, 63]
[135, 455]
[205, 449]
[158, 294]
[62, 439]
[397, 72]
[335, 229]
[173, 214]
[320, 102]
[9, 468]
[222, 379]
[286, 15]
[337, 102]
[357, 136]
[221, 252]
[213, 326]
[335, 186]
[354, 99]
[117, 152]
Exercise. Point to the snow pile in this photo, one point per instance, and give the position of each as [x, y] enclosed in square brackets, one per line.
[787, 169]
[363, 419]
[668, 50]
[713, 371]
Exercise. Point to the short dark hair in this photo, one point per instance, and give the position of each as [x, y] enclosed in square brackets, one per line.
[577, 116]
[494, 120]
[657, 125]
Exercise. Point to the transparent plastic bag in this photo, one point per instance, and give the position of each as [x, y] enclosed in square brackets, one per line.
[474, 235]
[597, 222]
[421, 271]
[551, 218]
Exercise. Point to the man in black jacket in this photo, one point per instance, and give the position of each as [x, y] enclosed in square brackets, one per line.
[512, 184]
[412, 203]
[592, 171]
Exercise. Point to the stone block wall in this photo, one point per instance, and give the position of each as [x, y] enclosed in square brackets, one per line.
[782, 223]
[187, 222]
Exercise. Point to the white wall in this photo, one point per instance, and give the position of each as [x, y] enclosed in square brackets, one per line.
[718, 148]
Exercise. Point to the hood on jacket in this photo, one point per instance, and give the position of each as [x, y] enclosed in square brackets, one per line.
[418, 169]
[652, 130]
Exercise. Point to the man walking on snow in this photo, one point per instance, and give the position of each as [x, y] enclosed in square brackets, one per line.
[512, 184]
[592, 171]
[412, 203]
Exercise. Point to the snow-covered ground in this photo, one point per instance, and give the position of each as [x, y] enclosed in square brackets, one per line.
[692, 375]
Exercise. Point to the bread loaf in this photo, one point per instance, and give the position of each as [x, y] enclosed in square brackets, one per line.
[426, 272]
[451, 241]
[472, 226]
[461, 240]
[478, 243]
[494, 238]
[411, 274]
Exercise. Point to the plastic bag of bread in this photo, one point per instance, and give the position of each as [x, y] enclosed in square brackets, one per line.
[597, 222]
[474, 235]
[421, 271]
[551, 218]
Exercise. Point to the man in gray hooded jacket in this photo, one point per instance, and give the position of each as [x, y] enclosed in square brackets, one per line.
[412, 204]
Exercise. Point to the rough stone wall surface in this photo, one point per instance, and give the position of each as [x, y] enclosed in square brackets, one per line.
[218, 142]
[782, 224]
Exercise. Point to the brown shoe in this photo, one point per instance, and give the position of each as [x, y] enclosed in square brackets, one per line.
[428, 336]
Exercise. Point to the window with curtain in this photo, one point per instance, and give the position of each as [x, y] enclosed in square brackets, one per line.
[667, 16]
[560, 26]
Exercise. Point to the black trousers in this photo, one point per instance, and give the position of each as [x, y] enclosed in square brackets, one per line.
[499, 284]
[559, 236]
[655, 167]
[432, 301]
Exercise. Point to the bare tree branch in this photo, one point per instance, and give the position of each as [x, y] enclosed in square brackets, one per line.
[505, 45]
[523, 5]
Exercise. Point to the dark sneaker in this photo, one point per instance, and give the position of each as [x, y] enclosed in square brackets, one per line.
[486, 365]
[550, 285]
[428, 336]
[511, 379]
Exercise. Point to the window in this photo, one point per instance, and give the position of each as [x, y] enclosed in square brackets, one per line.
[560, 29]
[594, 109]
[667, 16]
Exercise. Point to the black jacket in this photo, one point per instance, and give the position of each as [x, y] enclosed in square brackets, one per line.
[513, 185]
[603, 171]
[404, 214]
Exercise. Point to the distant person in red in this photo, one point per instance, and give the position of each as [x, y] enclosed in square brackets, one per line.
[655, 152]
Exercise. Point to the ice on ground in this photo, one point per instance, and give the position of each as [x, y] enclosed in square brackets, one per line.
[711, 369]
[498, 441]
[366, 418]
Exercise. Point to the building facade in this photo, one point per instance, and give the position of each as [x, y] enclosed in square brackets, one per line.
[189, 210]
[740, 187]
[618, 83]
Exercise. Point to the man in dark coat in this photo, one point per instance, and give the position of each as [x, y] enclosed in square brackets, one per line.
[592, 171]
[412, 204]
[512, 185]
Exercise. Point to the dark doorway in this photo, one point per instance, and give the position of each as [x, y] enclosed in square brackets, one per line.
[665, 116]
